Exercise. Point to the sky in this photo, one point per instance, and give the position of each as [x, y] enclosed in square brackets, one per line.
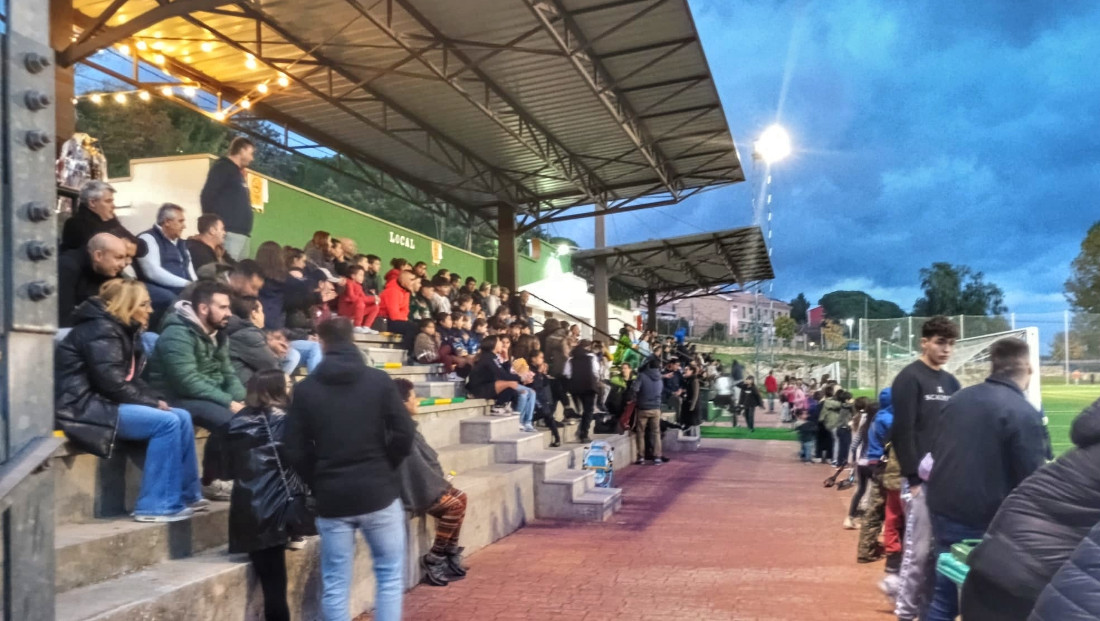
[922, 131]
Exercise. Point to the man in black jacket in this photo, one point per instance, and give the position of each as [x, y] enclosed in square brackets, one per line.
[81, 271]
[920, 391]
[226, 195]
[204, 246]
[648, 389]
[990, 439]
[347, 434]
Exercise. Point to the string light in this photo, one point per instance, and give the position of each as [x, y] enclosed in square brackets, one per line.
[250, 61]
[188, 59]
[219, 116]
[283, 80]
[167, 91]
[121, 18]
[156, 35]
[262, 88]
[246, 104]
[144, 95]
[157, 45]
[206, 46]
[159, 59]
[75, 100]
[124, 50]
[141, 45]
[97, 98]
[120, 98]
[189, 91]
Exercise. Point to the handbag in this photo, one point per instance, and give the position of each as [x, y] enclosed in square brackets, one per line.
[299, 512]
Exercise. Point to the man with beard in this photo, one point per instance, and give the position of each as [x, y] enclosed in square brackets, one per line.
[190, 364]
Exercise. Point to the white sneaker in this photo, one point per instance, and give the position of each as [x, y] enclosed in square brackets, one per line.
[183, 514]
[499, 410]
[453, 377]
[529, 429]
[218, 490]
[296, 543]
[889, 586]
[849, 524]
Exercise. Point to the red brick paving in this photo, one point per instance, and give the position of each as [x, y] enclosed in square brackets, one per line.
[737, 531]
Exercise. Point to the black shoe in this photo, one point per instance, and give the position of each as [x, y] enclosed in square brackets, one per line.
[555, 444]
[435, 570]
[639, 462]
[584, 439]
[455, 570]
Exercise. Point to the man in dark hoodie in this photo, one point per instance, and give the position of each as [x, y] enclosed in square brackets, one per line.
[226, 195]
[347, 434]
[647, 390]
[583, 372]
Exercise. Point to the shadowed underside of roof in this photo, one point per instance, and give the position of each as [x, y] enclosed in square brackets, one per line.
[689, 266]
[546, 106]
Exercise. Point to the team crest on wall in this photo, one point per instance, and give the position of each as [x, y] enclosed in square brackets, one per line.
[437, 252]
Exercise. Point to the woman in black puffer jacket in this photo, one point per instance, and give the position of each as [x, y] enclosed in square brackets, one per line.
[100, 398]
[1036, 529]
[1074, 593]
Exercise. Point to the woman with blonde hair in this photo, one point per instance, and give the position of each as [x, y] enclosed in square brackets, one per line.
[100, 398]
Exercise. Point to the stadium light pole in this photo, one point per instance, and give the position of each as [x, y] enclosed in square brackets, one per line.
[773, 145]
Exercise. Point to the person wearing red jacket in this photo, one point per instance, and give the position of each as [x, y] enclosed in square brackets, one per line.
[356, 304]
[395, 297]
[771, 386]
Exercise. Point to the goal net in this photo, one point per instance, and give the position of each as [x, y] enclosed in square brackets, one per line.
[969, 361]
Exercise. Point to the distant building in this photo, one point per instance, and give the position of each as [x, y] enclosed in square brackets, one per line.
[815, 317]
[736, 311]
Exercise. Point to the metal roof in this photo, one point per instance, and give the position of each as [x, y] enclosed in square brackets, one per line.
[689, 266]
[544, 105]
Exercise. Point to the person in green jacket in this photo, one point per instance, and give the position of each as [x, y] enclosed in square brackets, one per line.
[190, 365]
[625, 351]
[836, 416]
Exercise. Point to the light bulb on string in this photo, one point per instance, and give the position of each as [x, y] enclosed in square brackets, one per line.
[124, 49]
[157, 45]
[141, 46]
[246, 104]
[262, 87]
[189, 91]
[187, 59]
[120, 98]
[97, 98]
[159, 59]
[144, 96]
[167, 91]
[206, 46]
[250, 61]
[219, 116]
[283, 80]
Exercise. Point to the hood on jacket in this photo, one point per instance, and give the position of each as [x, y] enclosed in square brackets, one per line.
[651, 373]
[185, 315]
[392, 275]
[885, 399]
[1086, 427]
[93, 309]
[342, 364]
[236, 324]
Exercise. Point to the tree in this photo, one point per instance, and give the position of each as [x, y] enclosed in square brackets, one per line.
[833, 333]
[1083, 286]
[785, 327]
[800, 309]
[957, 290]
[841, 305]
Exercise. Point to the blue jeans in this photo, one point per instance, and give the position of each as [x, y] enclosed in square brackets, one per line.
[384, 531]
[526, 404]
[170, 477]
[291, 362]
[945, 596]
[149, 341]
[807, 451]
[310, 352]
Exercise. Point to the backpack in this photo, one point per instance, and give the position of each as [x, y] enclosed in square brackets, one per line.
[600, 457]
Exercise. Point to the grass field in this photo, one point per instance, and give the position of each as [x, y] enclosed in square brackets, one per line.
[1061, 404]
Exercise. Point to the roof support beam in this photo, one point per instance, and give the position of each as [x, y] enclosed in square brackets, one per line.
[572, 41]
[495, 104]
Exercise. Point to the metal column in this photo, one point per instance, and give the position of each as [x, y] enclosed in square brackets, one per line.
[28, 313]
[506, 247]
[599, 276]
[651, 307]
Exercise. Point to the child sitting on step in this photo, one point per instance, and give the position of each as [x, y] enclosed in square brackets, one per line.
[426, 348]
[425, 489]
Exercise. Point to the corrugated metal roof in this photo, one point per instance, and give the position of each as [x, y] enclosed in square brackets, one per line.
[541, 104]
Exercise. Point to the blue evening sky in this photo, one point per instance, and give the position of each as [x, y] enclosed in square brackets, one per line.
[966, 132]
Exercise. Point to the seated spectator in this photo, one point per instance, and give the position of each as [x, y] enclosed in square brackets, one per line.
[491, 302]
[456, 286]
[397, 265]
[544, 396]
[355, 304]
[441, 301]
[426, 347]
[191, 365]
[95, 214]
[372, 283]
[208, 246]
[263, 488]
[479, 329]
[490, 379]
[426, 490]
[520, 310]
[1074, 592]
[395, 305]
[82, 271]
[340, 260]
[1036, 529]
[166, 268]
[420, 305]
[249, 349]
[319, 251]
[100, 398]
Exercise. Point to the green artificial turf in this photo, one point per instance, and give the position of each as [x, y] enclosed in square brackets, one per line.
[742, 433]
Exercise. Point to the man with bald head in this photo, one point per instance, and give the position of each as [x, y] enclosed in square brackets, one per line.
[81, 271]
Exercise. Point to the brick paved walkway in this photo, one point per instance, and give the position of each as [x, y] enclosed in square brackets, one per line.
[736, 531]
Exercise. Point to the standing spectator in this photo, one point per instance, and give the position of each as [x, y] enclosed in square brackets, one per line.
[355, 304]
[347, 434]
[583, 371]
[990, 439]
[191, 365]
[1036, 529]
[544, 396]
[723, 394]
[208, 247]
[648, 389]
[425, 490]
[226, 195]
[100, 398]
[95, 214]
[771, 386]
[82, 271]
[166, 268]
[674, 386]
[263, 489]
[832, 412]
[868, 411]
[920, 391]
[807, 435]
[750, 400]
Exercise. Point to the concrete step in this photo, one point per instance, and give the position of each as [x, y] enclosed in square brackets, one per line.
[460, 458]
[512, 447]
[483, 429]
[381, 355]
[441, 424]
[674, 441]
[445, 389]
[556, 497]
[419, 373]
[598, 504]
[105, 549]
[214, 585]
[547, 462]
[384, 339]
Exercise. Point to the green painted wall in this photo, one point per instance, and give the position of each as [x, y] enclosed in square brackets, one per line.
[292, 215]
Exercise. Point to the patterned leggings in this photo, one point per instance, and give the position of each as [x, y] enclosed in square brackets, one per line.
[449, 513]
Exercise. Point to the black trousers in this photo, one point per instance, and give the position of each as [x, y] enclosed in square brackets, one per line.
[561, 394]
[546, 413]
[844, 442]
[750, 417]
[863, 476]
[270, 566]
[824, 449]
[213, 418]
[587, 401]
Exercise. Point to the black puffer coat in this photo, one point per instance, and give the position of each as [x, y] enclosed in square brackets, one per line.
[262, 482]
[1074, 593]
[1045, 518]
[90, 369]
